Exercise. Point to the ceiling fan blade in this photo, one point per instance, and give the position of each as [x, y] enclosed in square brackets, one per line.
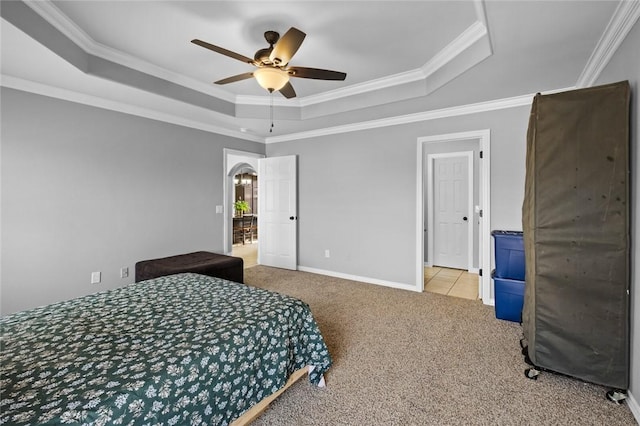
[287, 91]
[287, 46]
[223, 51]
[235, 78]
[316, 73]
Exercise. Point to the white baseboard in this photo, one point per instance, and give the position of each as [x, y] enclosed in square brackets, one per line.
[634, 406]
[358, 278]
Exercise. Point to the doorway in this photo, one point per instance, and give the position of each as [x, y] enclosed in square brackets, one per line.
[240, 167]
[478, 212]
[244, 228]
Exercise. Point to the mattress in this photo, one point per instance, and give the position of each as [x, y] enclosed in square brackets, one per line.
[181, 349]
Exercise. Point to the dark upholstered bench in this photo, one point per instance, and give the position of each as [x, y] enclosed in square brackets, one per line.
[200, 262]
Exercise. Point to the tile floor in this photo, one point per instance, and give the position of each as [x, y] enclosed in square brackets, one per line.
[248, 252]
[451, 282]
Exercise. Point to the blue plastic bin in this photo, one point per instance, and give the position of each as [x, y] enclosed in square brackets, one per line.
[509, 251]
[509, 298]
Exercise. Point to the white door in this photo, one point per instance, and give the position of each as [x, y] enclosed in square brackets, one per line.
[451, 212]
[278, 212]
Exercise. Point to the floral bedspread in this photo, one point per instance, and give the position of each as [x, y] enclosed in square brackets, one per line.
[176, 350]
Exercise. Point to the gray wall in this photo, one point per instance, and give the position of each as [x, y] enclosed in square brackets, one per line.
[357, 191]
[625, 65]
[86, 189]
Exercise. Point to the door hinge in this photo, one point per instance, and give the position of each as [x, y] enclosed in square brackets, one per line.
[481, 154]
[480, 272]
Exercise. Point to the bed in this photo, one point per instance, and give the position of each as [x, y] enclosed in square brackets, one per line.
[180, 349]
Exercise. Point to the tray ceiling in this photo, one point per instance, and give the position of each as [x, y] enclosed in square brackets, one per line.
[401, 57]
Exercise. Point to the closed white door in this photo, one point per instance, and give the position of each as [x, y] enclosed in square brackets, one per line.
[451, 212]
[277, 212]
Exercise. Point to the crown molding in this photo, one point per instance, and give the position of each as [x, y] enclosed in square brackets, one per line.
[278, 101]
[465, 40]
[50, 13]
[621, 22]
[474, 33]
[82, 98]
[480, 11]
[513, 102]
[623, 19]
[365, 87]
[99, 102]
[468, 38]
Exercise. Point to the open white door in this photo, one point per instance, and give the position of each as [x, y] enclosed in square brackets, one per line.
[278, 212]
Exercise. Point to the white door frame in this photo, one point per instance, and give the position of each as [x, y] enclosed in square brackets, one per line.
[227, 192]
[430, 202]
[484, 136]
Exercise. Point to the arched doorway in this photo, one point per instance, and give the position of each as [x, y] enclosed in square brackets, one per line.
[240, 166]
[245, 187]
[244, 230]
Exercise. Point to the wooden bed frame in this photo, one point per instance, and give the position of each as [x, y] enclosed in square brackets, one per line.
[257, 409]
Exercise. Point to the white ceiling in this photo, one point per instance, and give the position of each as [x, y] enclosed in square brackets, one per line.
[401, 57]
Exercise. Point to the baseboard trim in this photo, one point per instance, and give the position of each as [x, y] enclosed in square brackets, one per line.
[358, 278]
[633, 406]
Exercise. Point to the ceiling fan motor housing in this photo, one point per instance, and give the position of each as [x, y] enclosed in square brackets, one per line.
[262, 56]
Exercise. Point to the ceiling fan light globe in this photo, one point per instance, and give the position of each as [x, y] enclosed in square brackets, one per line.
[271, 79]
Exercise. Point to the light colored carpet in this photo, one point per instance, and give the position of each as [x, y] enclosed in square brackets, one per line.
[405, 358]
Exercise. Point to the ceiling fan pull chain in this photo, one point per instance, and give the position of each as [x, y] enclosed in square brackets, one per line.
[271, 109]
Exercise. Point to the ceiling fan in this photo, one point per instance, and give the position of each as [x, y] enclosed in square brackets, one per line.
[273, 72]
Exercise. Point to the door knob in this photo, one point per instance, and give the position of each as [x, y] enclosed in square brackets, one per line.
[293, 217]
[464, 218]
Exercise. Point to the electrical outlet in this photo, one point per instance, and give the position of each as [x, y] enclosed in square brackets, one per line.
[124, 272]
[95, 277]
[327, 253]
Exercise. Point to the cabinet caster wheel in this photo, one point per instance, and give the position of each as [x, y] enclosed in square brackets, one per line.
[531, 373]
